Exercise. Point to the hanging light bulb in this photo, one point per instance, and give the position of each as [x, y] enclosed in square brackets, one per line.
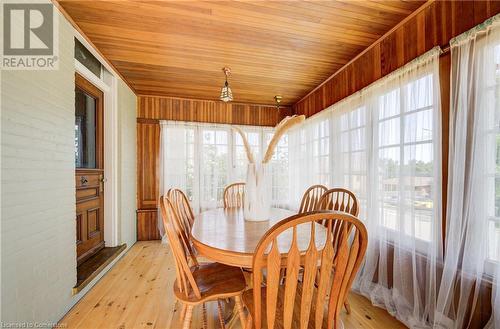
[226, 95]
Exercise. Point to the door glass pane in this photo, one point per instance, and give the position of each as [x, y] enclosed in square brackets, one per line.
[85, 130]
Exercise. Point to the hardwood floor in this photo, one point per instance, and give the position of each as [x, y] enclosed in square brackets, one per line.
[137, 293]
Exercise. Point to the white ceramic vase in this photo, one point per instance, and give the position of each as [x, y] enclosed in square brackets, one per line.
[258, 189]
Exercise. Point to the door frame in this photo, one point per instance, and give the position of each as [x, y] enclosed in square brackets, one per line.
[108, 85]
[88, 88]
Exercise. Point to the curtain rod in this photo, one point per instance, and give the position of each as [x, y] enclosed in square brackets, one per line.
[447, 47]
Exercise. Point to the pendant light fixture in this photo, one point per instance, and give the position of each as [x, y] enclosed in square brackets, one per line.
[226, 95]
[278, 99]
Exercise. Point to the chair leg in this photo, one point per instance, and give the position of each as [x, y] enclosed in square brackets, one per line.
[183, 312]
[187, 319]
[239, 309]
[347, 306]
[221, 315]
[205, 326]
[249, 323]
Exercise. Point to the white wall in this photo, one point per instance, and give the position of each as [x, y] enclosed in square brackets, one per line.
[38, 251]
[127, 163]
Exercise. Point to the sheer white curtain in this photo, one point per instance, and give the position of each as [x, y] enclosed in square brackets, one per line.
[309, 157]
[384, 144]
[178, 157]
[400, 143]
[202, 159]
[280, 166]
[494, 322]
[352, 148]
[214, 165]
[179, 150]
[473, 216]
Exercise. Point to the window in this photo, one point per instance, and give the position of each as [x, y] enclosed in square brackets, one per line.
[353, 154]
[280, 171]
[309, 154]
[202, 159]
[214, 165]
[181, 157]
[240, 161]
[84, 56]
[321, 152]
[86, 127]
[406, 158]
[380, 145]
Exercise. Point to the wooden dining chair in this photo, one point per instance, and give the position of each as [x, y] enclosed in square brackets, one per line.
[297, 301]
[200, 283]
[234, 195]
[311, 198]
[182, 207]
[340, 199]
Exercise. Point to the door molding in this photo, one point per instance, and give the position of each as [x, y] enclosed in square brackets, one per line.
[108, 85]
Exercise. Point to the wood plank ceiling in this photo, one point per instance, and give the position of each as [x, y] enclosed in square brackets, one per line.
[177, 48]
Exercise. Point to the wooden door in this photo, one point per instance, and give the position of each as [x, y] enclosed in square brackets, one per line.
[89, 173]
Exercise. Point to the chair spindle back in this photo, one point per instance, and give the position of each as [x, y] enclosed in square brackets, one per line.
[332, 286]
[234, 195]
[181, 248]
[311, 198]
[182, 207]
[339, 199]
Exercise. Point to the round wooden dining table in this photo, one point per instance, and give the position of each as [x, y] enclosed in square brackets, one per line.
[224, 236]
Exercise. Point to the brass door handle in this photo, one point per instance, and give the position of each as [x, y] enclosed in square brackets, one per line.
[102, 180]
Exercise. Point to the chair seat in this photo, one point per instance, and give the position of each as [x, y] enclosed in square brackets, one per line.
[215, 281]
[249, 303]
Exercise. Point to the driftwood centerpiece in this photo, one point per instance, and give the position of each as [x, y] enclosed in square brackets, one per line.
[258, 189]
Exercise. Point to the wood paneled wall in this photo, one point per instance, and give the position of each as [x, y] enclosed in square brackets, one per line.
[433, 26]
[150, 110]
[147, 225]
[148, 146]
[182, 109]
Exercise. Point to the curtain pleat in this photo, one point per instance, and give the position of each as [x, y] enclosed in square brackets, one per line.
[473, 216]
